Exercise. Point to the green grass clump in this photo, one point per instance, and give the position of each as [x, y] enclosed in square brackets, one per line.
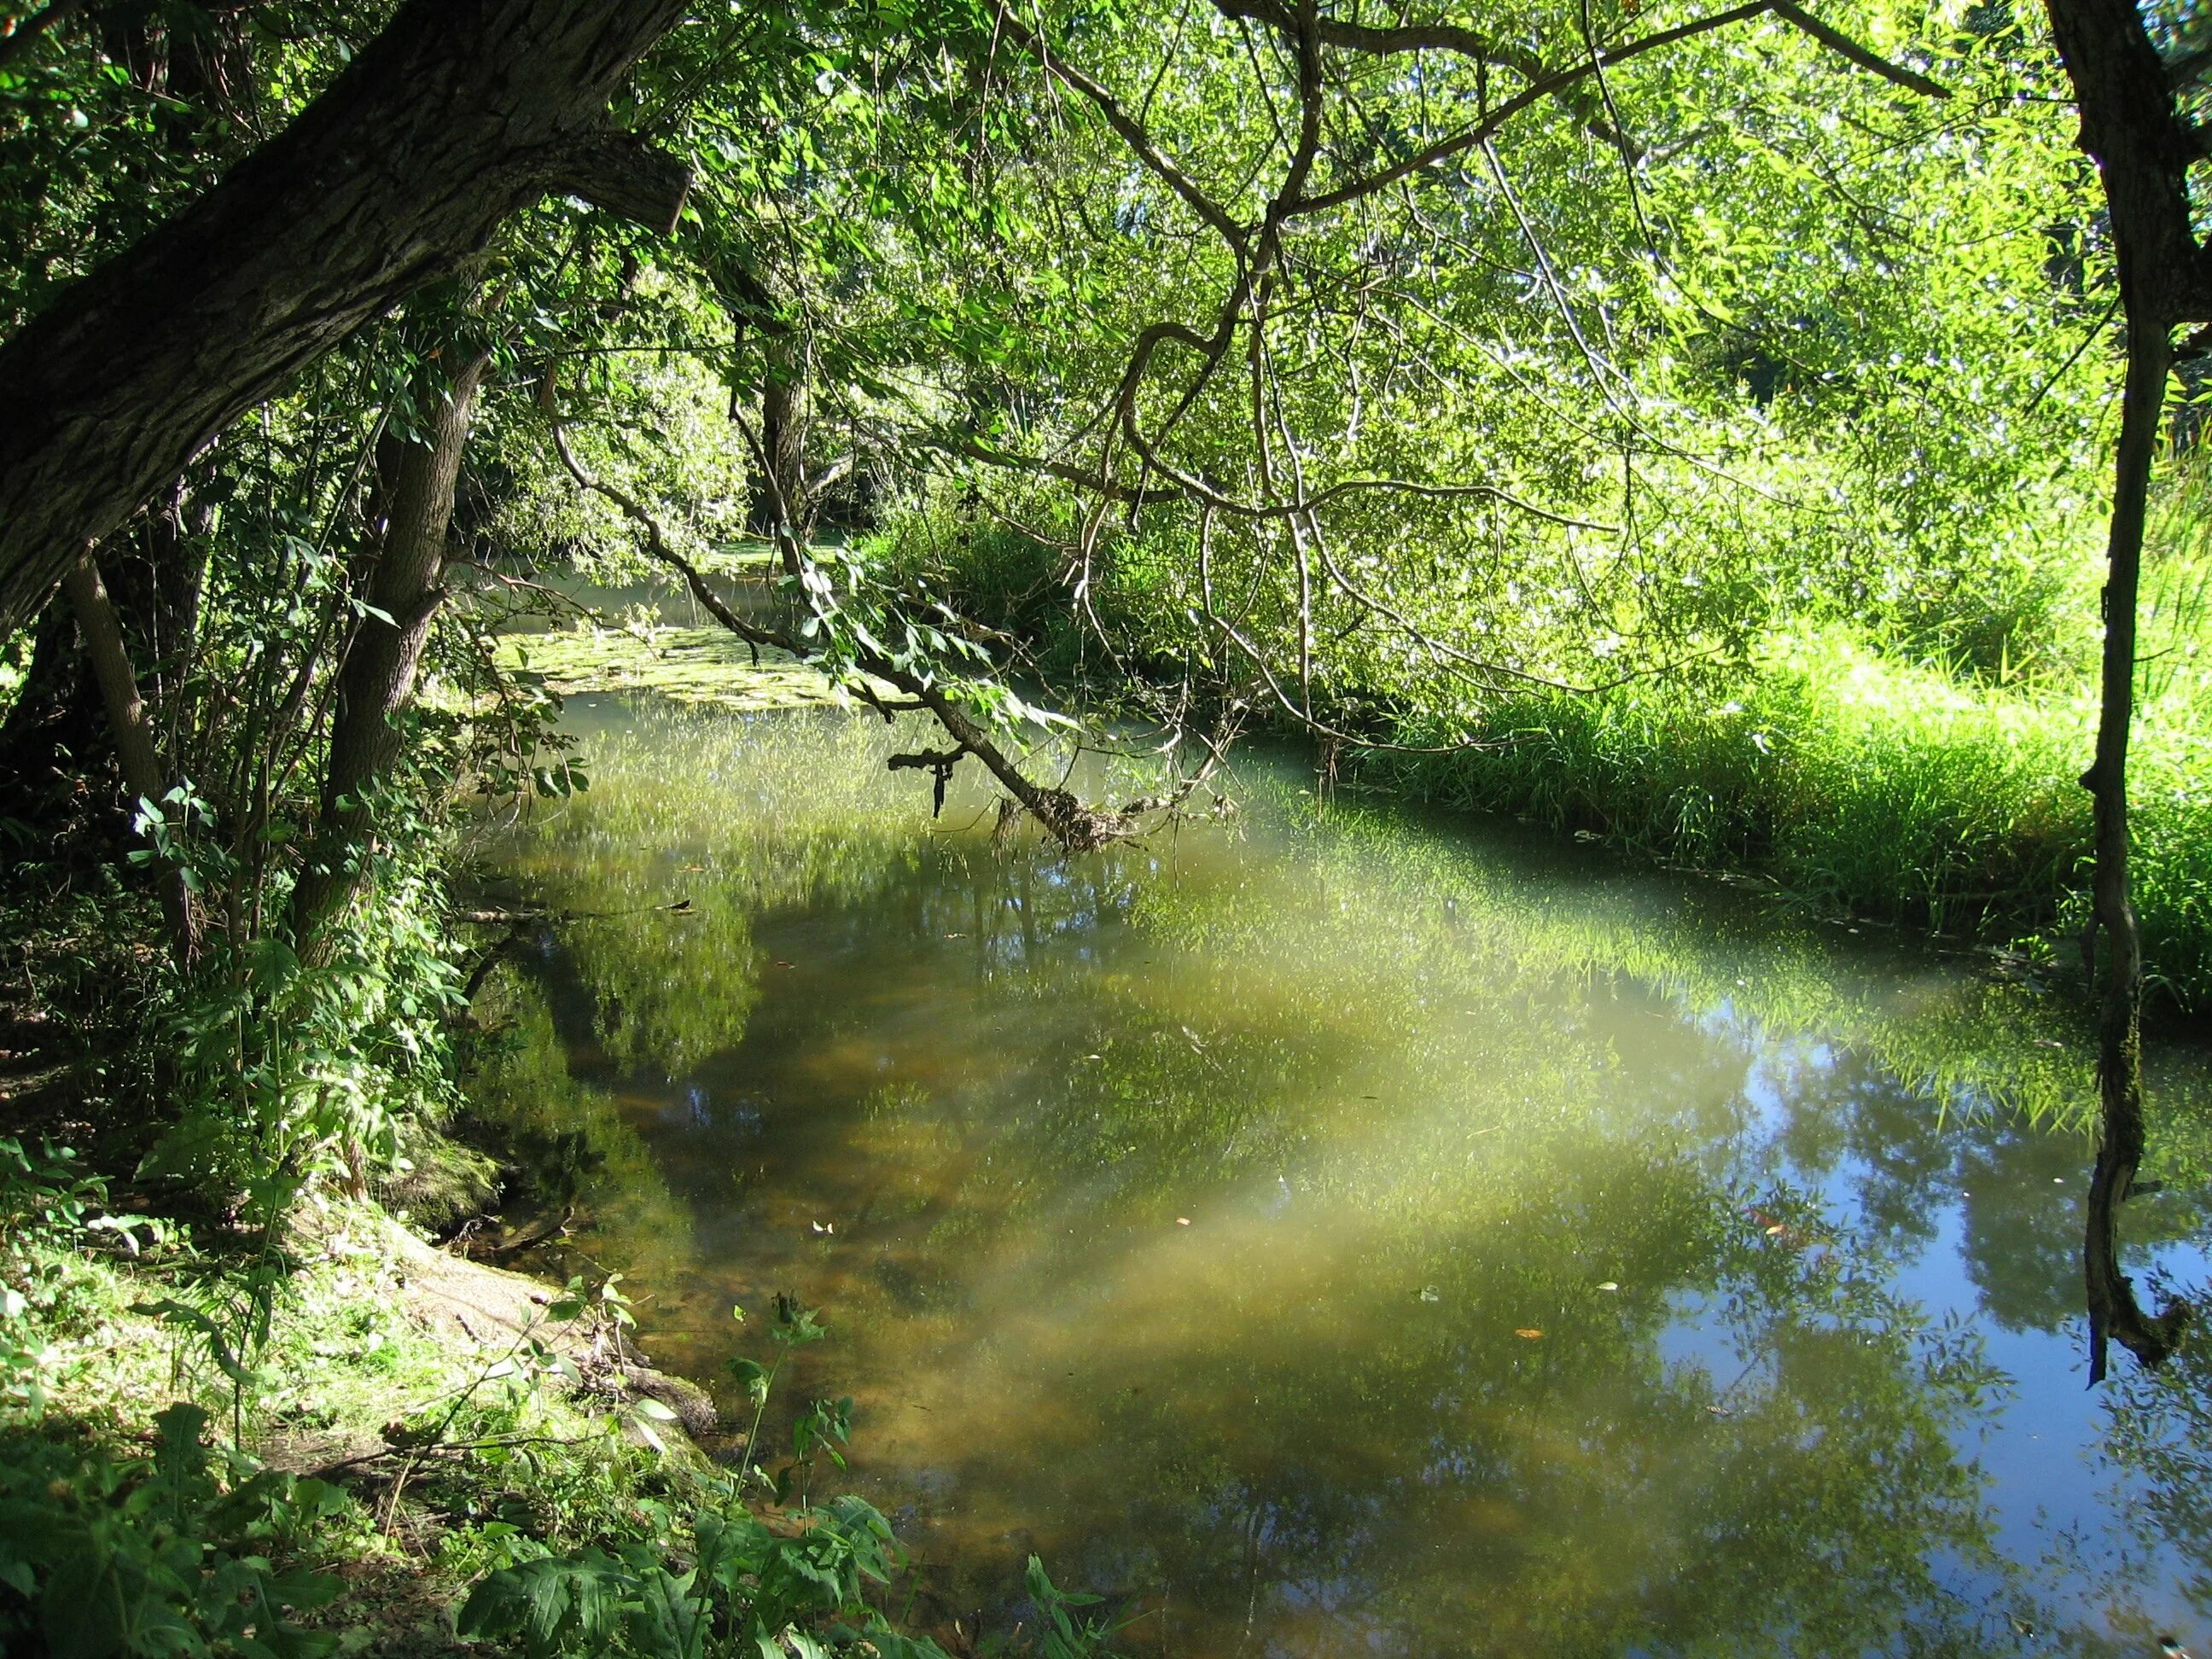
[2171, 806]
[1858, 784]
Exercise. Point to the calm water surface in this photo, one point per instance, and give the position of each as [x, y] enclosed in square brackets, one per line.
[1345, 1232]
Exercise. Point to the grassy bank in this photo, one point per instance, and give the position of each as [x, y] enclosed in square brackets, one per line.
[1915, 776]
[1860, 787]
[397, 1450]
[324, 1434]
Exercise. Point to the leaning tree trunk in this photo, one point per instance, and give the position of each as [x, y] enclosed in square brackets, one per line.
[376, 678]
[460, 113]
[132, 731]
[56, 740]
[2144, 149]
[2114, 1313]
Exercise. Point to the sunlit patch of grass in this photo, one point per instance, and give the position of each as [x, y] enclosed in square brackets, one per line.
[1859, 785]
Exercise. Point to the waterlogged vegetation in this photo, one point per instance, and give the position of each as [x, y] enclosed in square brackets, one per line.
[684, 665]
[855, 679]
[1320, 1226]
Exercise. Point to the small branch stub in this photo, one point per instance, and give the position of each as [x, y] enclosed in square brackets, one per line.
[939, 762]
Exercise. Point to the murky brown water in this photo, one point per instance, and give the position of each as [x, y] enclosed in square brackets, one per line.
[1349, 1232]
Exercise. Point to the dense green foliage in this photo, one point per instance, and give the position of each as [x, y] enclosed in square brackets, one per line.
[1679, 427]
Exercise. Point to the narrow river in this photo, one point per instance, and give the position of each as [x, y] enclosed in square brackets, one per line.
[1334, 1231]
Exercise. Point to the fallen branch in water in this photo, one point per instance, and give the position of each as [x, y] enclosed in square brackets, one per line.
[1076, 825]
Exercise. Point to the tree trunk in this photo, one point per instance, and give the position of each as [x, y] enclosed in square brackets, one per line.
[2143, 150]
[57, 747]
[2114, 1314]
[176, 562]
[460, 113]
[376, 678]
[133, 733]
[780, 506]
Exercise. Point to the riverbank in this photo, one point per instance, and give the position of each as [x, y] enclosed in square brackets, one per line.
[333, 1434]
[1859, 787]
[1857, 783]
[346, 1451]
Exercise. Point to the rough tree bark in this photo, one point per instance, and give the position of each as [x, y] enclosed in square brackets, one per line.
[132, 732]
[2142, 147]
[376, 676]
[781, 500]
[459, 114]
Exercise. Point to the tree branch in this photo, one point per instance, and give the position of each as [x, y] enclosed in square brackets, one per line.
[1843, 46]
[1076, 826]
[628, 177]
[1132, 130]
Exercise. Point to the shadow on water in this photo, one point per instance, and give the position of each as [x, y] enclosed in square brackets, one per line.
[1343, 1232]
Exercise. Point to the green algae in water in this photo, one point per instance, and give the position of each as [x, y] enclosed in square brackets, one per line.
[707, 667]
[1351, 1230]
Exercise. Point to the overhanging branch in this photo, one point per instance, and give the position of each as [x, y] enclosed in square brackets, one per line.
[630, 178]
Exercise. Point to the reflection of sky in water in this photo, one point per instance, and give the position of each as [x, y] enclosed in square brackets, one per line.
[2043, 1451]
[1188, 1202]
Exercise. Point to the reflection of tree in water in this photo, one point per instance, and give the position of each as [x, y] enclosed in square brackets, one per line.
[2022, 1247]
[2018, 1185]
[2161, 1436]
[1393, 1095]
[572, 1144]
[1424, 1477]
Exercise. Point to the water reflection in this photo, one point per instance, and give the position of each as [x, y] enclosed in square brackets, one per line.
[1336, 1235]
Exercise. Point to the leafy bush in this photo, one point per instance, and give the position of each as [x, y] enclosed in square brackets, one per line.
[293, 1072]
[160, 1555]
[744, 1588]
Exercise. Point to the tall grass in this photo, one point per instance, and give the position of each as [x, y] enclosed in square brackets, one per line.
[1860, 785]
[1922, 771]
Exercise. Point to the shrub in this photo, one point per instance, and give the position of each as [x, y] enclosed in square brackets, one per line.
[103, 1555]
